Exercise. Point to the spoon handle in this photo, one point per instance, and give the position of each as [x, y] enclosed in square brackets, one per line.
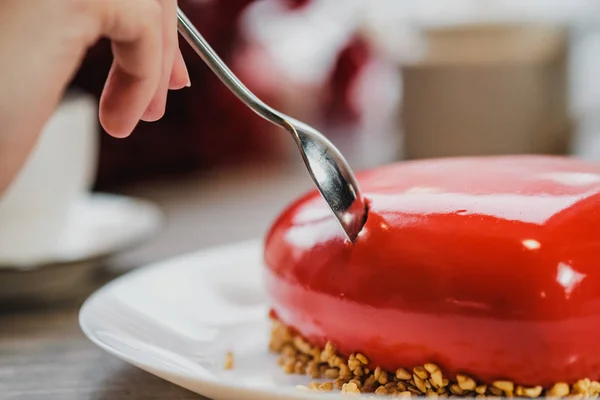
[214, 62]
[327, 167]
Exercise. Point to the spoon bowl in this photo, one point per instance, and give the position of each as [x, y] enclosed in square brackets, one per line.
[332, 175]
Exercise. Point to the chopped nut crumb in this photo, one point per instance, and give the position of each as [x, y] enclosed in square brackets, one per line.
[594, 389]
[431, 368]
[300, 368]
[465, 382]
[421, 372]
[228, 360]
[352, 376]
[356, 382]
[350, 387]
[582, 386]
[505, 386]
[403, 374]
[456, 389]
[558, 390]
[420, 384]
[494, 391]
[381, 390]
[436, 379]
[289, 366]
[344, 371]
[528, 392]
[332, 373]
[481, 389]
[362, 359]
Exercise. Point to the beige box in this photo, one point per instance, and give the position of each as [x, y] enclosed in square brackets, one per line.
[483, 90]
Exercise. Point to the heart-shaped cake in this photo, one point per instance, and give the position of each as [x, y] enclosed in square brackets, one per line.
[472, 276]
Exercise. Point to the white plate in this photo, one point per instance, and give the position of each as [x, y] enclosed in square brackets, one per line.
[98, 225]
[178, 319]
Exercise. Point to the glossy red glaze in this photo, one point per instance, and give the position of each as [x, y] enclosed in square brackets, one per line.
[486, 266]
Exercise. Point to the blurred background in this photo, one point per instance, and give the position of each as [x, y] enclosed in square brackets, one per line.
[385, 80]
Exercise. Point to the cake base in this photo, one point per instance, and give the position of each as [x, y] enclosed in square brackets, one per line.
[353, 375]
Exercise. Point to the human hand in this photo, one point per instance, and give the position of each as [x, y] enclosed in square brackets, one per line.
[42, 44]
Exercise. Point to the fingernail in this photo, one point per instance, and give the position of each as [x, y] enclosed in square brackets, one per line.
[189, 83]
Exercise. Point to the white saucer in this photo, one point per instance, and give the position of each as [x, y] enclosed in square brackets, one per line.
[99, 225]
[178, 319]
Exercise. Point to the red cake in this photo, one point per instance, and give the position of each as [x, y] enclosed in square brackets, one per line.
[472, 276]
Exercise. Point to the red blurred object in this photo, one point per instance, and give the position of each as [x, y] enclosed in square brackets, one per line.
[297, 4]
[339, 105]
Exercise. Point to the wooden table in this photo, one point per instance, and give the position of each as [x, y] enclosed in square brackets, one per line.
[44, 355]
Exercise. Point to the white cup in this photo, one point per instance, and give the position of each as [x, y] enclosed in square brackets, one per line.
[60, 170]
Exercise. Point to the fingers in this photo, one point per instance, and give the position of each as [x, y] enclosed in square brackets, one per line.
[135, 28]
[180, 77]
[156, 108]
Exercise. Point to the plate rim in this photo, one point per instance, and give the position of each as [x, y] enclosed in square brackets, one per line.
[211, 385]
[56, 260]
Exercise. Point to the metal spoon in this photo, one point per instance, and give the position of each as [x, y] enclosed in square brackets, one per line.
[326, 165]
